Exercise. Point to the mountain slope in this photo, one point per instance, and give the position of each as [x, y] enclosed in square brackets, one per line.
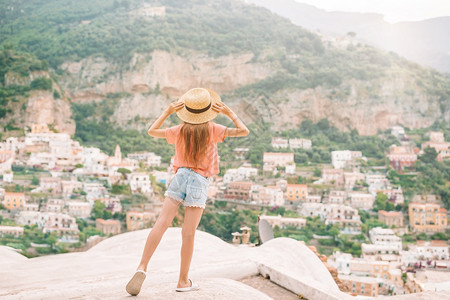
[146, 53]
[426, 42]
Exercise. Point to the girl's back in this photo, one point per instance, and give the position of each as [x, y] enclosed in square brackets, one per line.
[207, 162]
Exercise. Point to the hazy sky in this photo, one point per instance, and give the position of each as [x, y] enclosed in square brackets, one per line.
[393, 10]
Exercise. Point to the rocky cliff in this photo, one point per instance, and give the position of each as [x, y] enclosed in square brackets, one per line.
[149, 83]
[41, 107]
[93, 78]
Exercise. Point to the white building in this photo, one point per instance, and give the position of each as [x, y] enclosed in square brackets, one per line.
[433, 250]
[53, 205]
[312, 210]
[398, 132]
[339, 159]
[31, 207]
[140, 182]
[94, 190]
[149, 159]
[52, 184]
[113, 204]
[60, 150]
[384, 242]
[337, 197]
[278, 158]
[279, 143]
[313, 199]
[64, 225]
[15, 231]
[162, 177]
[244, 172]
[269, 195]
[94, 161]
[69, 186]
[290, 169]
[346, 217]
[8, 177]
[360, 200]
[300, 143]
[340, 261]
[351, 179]
[283, 222]
[79, 209]
[377, 182]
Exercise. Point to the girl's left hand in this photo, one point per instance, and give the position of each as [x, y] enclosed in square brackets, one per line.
[221, 107]
[175, 106]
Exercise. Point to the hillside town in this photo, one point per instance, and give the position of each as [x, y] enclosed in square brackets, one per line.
[58, 196]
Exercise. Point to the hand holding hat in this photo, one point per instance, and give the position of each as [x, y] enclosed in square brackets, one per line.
[175, 106]
[221, 107]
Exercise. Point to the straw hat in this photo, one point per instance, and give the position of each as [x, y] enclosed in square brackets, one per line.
[197, 106]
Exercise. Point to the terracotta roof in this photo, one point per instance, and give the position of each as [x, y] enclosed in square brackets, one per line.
[390, 213]
[12, 193]
[279, 153]
[438, 243]
[297, 185]
[108, 222]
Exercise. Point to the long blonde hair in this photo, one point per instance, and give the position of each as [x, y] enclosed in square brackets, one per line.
[196, 139]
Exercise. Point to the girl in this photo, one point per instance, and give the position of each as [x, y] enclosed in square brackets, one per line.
[195, 161]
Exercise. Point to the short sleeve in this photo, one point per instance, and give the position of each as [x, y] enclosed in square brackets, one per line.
[219, 132]
[171, 134]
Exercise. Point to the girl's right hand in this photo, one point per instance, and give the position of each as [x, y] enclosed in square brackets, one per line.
[175, 106]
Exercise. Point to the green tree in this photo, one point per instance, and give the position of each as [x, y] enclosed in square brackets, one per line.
[429, 155]
[380, 202]
[51, 239]
[98, 210]
[334, 232]
[123, 171]
[41, 83]
[317, 172]
[35, 180]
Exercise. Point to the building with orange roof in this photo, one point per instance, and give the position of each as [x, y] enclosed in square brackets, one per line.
[401, 157]
[239, 190]
[358, 285]
[427, 217]
[14, 201]
[108, 226]
[391, 218]
[139, 220]
[296, 192]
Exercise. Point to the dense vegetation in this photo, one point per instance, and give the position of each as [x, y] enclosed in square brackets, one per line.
[433, 177]
[78, 29]
[325, 138]
[94, 128]
[18, 65]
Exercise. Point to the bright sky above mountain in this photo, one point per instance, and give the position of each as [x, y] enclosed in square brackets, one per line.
[393, 10]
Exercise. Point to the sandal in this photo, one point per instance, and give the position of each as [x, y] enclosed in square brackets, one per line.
[193, 287]
[134, 285]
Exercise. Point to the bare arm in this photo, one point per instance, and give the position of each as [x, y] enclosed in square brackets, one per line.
[240, 130]
[155, 130]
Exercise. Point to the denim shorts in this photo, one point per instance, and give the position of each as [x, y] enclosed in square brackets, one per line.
[188, 186]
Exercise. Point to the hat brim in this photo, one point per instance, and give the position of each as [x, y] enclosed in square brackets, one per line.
[203, 117]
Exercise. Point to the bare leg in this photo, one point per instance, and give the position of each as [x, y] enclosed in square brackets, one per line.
[168, 212]
[192, 218]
